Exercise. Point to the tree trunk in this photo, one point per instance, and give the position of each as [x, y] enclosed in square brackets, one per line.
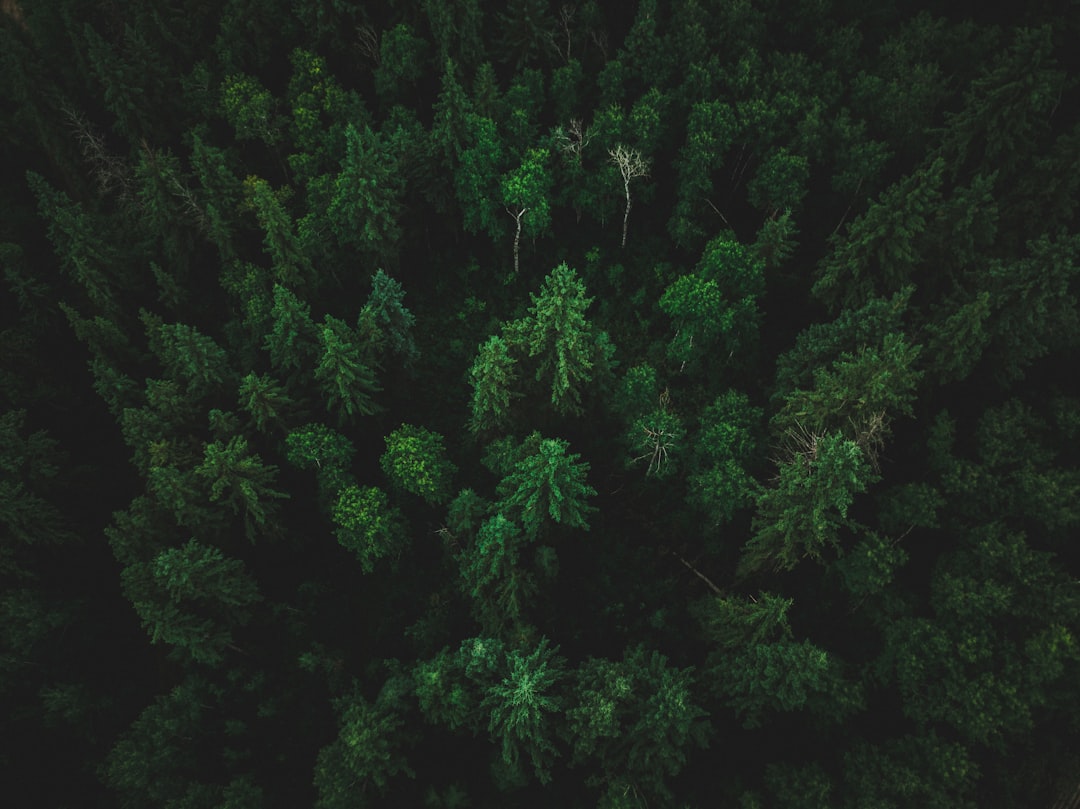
[626, 215]
[517, 237]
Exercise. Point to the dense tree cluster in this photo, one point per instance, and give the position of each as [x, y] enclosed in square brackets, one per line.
[516, 404]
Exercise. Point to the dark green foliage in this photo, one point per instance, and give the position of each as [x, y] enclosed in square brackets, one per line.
[192, 598]
[367, 751]
[723, 449]
[358, 278]
[714, 310]
[492, 575]
[386, 308]
[240, 480]
[556, 331]
[347, 381]
[365, 205]
[802, 516]
[547, 483]
[493, 379]
[522, 705]
[265, 401]
[637, 721]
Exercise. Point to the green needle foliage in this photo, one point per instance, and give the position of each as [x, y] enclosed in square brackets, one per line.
[779, 302]
[548, 483]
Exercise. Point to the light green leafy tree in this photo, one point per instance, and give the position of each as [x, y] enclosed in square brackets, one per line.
[415, 461]
[525, 192]
[368, 525]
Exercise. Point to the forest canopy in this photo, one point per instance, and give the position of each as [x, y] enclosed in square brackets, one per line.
[515, 404]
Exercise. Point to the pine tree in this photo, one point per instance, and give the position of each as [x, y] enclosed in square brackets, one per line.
[522, 705]
[804, 513]
[265, 401]
[193, 598]
[366, 203]
[346, 380]
[556, 331]
[367, 752]
[240, 480]
[493, 378]
[386, 308]
[548, 483]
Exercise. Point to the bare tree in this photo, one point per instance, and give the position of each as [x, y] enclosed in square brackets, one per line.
[566, 19]
[367, 42]
[631, 165]
[573, 139]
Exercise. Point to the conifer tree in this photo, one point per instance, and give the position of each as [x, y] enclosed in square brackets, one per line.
[386, 308]
[556, 331]
[638, 720]
[523, 704]
[239, 479]
[347, 381]
[493, 378]
[292, 341]
[548, 483]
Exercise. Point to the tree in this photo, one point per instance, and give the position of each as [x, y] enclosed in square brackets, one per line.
[192, 597]
[157, 761]
[280, 242]
[366, 203]
[804, 513]
[556, 331]
[523, 704]
[725, 446]
[265, 401]
[493, 577]
[525, 193]
[548, 483]
[292, 340]
[636, 720]
[493, 378]
[631, 166]
[759, 668]
[367, 752]
[415, 460]
[386, 308]
[187, 355]
[368, 525]
[715, 306]
[346, 380]
[316, 446]
[241, 481]
[477, 179]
